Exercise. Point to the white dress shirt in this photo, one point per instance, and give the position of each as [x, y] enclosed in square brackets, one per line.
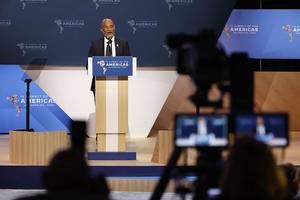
[113, 46]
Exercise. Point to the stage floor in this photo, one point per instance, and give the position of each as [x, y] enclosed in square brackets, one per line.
[291, 154]
[144, 148]
[140, 175]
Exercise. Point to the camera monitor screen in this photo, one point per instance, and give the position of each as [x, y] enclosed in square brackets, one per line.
[271, 129]
[201, 130]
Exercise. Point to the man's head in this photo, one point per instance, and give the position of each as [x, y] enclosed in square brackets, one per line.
[67, 171]
[108, 28]
[201, 121]
[260, 120]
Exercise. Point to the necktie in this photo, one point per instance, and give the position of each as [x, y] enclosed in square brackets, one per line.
[108, 48]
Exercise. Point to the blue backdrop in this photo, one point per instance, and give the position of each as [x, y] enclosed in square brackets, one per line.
[264, 34]
[45, 114]
[60, 31]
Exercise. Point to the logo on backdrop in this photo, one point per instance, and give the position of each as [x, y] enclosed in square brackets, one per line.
[14, 100]
[5, 22]
[239, 29]
[172, 3]
[105, 2]
[24, 48]
[142, 24]
[66, 23]
[227, 32]
[168, 50]
[291, 30]
[132, 24]
[37, 100]
[25, 2]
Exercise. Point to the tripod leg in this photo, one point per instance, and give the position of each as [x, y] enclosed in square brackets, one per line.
[165, 178]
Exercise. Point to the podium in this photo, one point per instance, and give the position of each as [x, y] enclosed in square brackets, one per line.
[111, 99]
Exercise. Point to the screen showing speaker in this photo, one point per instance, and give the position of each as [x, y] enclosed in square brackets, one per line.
[270, 128]
[193, 130]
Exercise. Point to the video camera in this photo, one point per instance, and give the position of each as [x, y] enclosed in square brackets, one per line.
[216, 76]
[221, 81]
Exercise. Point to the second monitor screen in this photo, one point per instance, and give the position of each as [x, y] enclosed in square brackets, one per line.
[271, 129]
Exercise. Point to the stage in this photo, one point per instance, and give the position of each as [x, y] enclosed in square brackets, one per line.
[138, 175]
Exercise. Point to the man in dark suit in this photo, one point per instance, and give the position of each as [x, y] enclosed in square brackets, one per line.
[263, 132]
[109, 45]
[204, 131]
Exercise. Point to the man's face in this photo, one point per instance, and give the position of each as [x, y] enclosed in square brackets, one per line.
[260, 121]
[108, 28]
[201, 121]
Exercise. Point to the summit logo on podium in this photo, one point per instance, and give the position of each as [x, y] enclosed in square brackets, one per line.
[101, 63]
[172, 3]
[24, 3]
[112, 65]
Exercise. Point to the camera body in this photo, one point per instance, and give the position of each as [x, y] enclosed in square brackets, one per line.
[216, 75]
[221, 81]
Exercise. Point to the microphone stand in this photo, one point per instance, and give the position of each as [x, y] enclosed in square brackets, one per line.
[27, 81]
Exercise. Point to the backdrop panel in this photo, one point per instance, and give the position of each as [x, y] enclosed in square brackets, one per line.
[60, 31]
[263, 34]
[45, 114]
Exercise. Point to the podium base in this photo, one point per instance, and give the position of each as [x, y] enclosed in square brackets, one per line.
[123, 155]
[28, 130]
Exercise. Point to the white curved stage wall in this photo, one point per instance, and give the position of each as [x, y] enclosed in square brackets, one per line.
[69, 87]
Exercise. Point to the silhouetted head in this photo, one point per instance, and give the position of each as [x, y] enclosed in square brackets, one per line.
[251, 173]
[67, 172]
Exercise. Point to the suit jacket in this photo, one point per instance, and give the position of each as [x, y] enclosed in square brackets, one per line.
[97, 49]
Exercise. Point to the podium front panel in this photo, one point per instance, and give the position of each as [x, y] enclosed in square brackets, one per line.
[111, 112]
